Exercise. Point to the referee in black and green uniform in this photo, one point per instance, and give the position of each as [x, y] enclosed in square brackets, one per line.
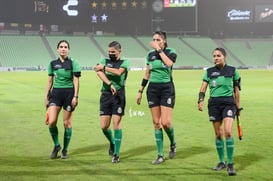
[160, 92]
[113, 72]
[223, 104]
[62, 92]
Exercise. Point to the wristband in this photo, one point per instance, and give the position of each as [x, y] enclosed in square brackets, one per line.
[201, 97]
[103, 68]
[110, 84]
[76, 97]
[144, 82]
[159, 50]
[140, 91]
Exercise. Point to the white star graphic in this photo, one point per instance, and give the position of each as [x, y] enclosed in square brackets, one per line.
[104, 18]
[94, 18]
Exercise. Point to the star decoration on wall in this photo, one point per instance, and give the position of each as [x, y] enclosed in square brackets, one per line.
[94, 18]
[114, 5]
[104, 5]
[144, 4]
[104, 18]
[94, 5]
[124, 4]
[134, 4]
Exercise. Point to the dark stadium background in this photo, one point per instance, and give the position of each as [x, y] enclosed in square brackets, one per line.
[208, 17]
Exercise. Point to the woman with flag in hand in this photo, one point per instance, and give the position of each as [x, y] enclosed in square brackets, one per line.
[62, 92]
[224, 83]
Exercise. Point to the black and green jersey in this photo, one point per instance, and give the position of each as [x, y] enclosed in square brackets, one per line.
[221, 81]
[160, 73]
[63, 72]
[117, 81]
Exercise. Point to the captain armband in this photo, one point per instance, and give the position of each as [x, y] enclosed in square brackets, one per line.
[201, 97]
[144, 82]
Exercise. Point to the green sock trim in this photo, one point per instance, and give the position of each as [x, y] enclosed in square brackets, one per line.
[159, 141]
[54, 134]
[220, 149]
[117, 138]
[67, 137]
[108, 135]
[230, 149]
[170, 134]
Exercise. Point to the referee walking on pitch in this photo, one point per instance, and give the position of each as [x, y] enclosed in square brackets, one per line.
[223, 104]
[62, 92]
[113, 73]
[160, 91]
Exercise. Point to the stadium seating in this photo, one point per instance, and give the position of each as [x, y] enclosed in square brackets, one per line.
[81, 49]
[22, 51]
[193, 52]
[252, 52]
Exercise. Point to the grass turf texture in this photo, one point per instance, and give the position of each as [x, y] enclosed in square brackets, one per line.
[26, 143]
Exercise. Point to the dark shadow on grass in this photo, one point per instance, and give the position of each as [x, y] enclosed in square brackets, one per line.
[191, 151]
[243, 161]
[89, 149]
[137, 151]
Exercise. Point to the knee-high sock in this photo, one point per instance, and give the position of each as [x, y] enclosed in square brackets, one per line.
[159, 141]
[117, 138]
[230, 149]
[170, 133]
[108, 135]
[220, 149]
[54, 134]
[67, 137]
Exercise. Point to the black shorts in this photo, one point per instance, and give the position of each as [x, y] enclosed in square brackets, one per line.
[62, 97]
[221, 107]
[110, 104]
[161, 94]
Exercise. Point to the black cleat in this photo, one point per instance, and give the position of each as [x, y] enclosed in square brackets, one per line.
[55, 151]
[220, 166]
[230, 169]
[159, 160]
[64, 154]
[111, 149]
[172, 152]
[115, 159]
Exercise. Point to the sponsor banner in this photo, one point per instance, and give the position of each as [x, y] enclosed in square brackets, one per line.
[264, 13]
[179, 3]
[239, 15]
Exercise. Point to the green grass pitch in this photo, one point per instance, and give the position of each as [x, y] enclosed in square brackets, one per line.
[26, 144]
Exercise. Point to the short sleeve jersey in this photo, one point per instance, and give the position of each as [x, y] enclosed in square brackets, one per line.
[221, 82]
[160, 73]
[117, 81]
[63, 72]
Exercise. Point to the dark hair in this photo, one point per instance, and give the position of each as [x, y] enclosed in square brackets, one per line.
[222, 50]
[115, 44]
[163, 35]
[63, 41]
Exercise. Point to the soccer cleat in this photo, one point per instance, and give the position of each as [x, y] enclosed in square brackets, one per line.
[55, 151]
[115, 159]
[159, 160]
[230, 169]
[64, 154]
[220, 166]
[111, 149]
[172, 152]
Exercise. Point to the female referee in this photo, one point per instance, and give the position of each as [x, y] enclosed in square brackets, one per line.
[224, 83]
[113, 73]
[160, 91]
[62, 92]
